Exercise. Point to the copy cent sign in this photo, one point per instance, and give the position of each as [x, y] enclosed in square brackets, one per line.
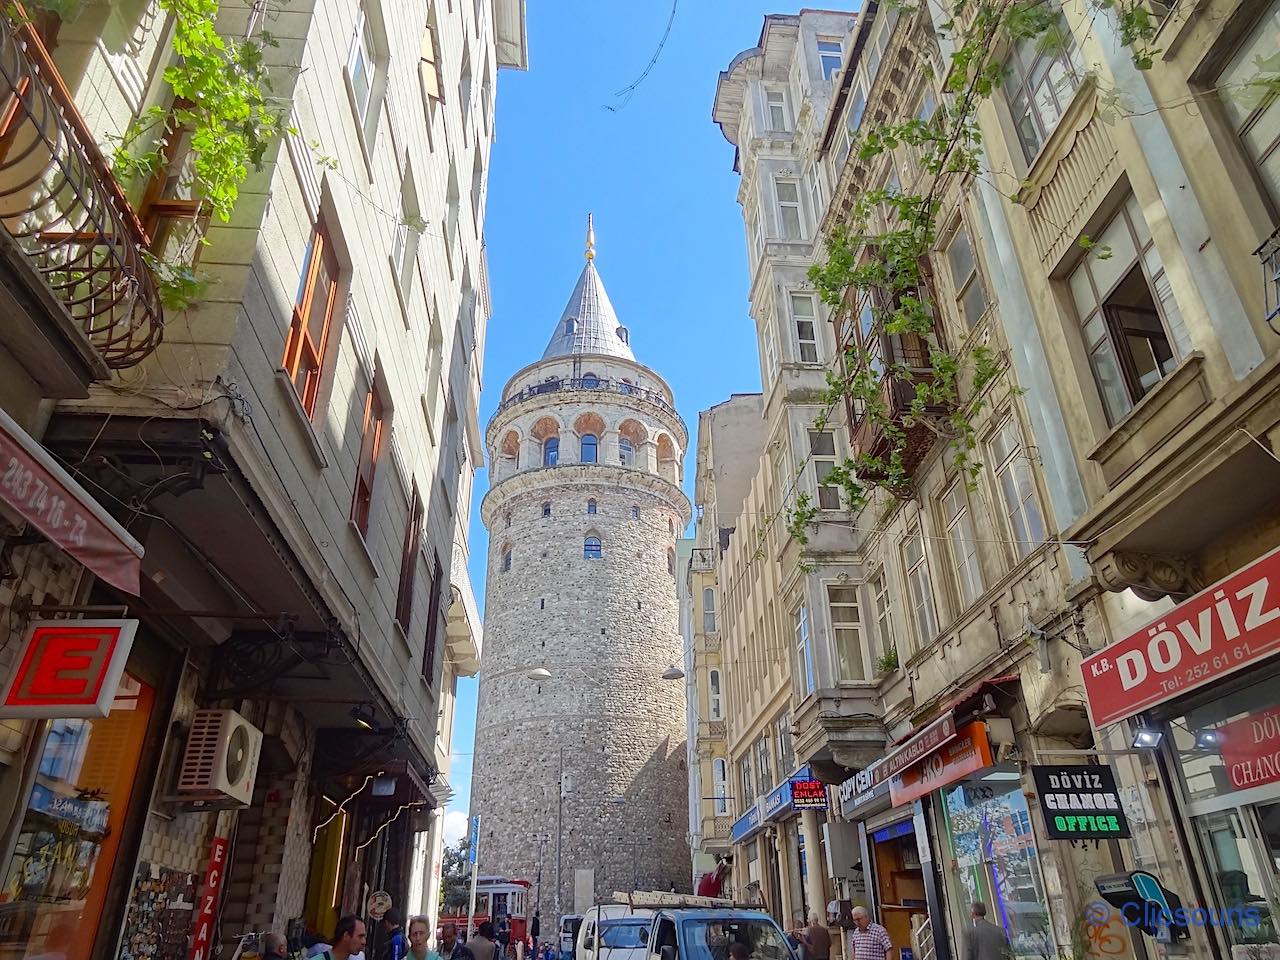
[1222, 629]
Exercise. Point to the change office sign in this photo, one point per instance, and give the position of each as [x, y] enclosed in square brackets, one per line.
[1080, 802]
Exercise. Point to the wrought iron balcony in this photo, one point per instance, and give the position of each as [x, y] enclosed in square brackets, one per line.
[1269, 254]
[63, 209]
[585, 383]
[704, 559]
[902, 361]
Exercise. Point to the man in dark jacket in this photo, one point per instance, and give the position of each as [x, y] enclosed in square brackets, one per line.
[983, 940]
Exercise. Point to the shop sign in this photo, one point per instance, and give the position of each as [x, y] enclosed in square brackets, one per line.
[88, 816]
[860, 791]
[926, 741]
[1251, 748]
[809, 794]
[378, 905]
[45, 495]
[68, 668]
[1220, 630]
[779, 800]
[207, 910]
[968, 752]
[745, 824]
[1080, 802]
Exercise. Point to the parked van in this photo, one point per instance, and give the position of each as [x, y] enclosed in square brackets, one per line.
[614, 932]
[569, 925]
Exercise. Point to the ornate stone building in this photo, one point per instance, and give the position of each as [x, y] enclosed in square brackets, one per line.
[581, 620]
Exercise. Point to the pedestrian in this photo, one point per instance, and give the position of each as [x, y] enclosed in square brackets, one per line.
[535, 929]
[739, 951]
[394, 945]
[816, 938]
[984, 940]
[450, 947]
[275, 947]
[484, 945]
[868, 940]
[348, 939]
[420, 940]
[504, 934]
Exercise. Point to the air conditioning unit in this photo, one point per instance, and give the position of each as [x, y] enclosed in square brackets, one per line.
[221, 761]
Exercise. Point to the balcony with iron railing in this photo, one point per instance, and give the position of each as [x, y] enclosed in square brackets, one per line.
[703, 559]
[67, 225]
[899, 363]
[558, 385]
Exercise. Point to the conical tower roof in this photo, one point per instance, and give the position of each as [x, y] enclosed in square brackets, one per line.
[589, 323]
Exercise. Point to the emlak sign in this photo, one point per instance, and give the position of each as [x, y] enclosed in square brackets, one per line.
[1222, 629]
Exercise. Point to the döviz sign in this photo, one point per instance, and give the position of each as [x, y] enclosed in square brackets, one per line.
[1080, 802]
[1219, 631]
[1250, 749]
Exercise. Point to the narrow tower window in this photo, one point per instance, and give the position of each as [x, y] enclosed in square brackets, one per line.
[591, 506]
[546, 508]
[550, 451]
[591, 549]
[635, 513]
[589, 444]
[506, 560]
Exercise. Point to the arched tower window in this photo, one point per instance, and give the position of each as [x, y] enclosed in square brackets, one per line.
[506, 521]
[671, 526]
[591, 549]
[590, 381]
[506, 558]
[671, 561]
[591, 506]
[635, 513]
[708, 610]
[546, 508]
[550, 451]
[626, 452]
[715, 702]
[590, 447]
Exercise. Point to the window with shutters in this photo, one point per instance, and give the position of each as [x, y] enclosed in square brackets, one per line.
[372, 440]
[314, 309]
[409, 562]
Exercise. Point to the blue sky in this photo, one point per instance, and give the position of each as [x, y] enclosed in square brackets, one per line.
[657, 175]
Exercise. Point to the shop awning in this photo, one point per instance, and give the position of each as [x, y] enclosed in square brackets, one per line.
[42, 493]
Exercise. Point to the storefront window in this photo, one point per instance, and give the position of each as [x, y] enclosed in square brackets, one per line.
[1228, 750]
[54, 885]
[995, 853]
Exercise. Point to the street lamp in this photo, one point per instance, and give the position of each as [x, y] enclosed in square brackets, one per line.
[673, 673]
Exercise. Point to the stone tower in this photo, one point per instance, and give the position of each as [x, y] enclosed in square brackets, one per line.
[583, 512]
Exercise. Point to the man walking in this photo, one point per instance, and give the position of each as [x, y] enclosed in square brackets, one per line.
[394, 946]
[816, 938]
[984, 940]
[450, 948]
[348, 939]
[868, 940]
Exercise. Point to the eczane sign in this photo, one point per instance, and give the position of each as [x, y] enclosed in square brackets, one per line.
[1222, 629]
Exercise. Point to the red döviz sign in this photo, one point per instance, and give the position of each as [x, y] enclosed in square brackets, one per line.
[1220, 630]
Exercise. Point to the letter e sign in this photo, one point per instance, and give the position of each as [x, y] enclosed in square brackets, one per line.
[68, 669]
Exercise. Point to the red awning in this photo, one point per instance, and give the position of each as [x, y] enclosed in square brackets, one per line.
[45, 495]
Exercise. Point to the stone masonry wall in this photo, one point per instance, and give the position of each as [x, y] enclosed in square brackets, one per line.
[606, 629]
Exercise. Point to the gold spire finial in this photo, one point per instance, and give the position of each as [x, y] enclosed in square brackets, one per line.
[591, 240]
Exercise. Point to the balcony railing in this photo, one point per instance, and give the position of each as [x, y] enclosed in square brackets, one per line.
[62, 207]
[902, 361]
[1269, 254]
[585, 383]
[704, 559]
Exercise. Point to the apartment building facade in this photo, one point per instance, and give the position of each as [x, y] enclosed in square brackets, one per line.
[287, 458]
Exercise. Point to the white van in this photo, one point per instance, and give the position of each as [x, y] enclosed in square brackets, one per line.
[614, 931]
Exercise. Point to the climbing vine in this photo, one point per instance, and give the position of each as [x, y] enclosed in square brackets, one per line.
[877, 260]
[221, 88]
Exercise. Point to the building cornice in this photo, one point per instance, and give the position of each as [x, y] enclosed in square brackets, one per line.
[604, 475]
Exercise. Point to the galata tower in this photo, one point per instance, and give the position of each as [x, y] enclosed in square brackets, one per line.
[579, 775]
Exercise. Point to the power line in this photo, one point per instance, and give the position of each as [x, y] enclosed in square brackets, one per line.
[627, 92]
